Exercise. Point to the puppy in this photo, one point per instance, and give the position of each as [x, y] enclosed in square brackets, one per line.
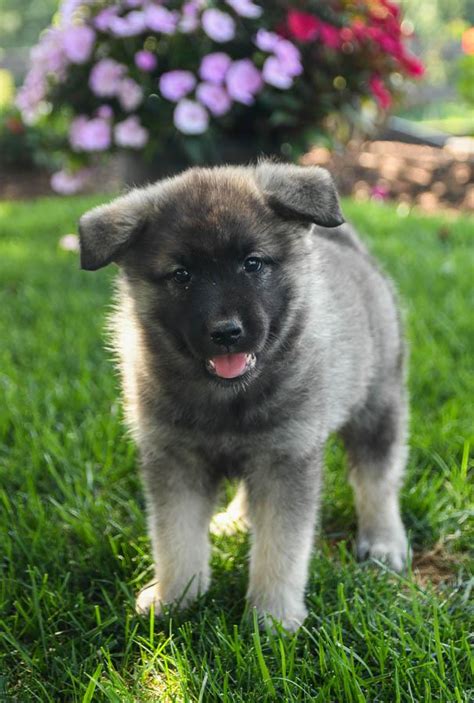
[252, 323]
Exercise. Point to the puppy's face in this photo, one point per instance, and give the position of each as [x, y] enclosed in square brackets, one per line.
[210, 259]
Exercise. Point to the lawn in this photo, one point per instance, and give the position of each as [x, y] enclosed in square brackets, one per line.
[72, 529]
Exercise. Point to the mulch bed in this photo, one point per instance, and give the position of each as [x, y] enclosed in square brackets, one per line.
[429, 178]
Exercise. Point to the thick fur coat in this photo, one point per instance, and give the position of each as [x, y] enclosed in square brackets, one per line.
[251, 324]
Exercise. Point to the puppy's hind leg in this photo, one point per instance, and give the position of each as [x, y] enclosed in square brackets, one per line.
[235, 517]
[377, 451]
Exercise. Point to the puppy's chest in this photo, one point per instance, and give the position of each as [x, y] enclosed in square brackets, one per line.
[225, 461]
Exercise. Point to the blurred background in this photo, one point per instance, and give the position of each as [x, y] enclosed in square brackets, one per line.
[416, 149]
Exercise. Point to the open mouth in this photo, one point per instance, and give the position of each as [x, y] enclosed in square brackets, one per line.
[230, 366]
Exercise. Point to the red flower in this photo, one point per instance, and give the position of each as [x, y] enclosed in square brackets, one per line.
[412, 65]
[392, 8]
[302, 25]
[380, 92]
[305, 28]
[330, 35]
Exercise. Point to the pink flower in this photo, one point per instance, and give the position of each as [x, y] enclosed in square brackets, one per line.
[78, 42]
[67, 183]
[128, 26]
[29, 97]
[159, 19]
[190, 117]
[174, 85]
[130, 133]
[218, 25]
[274, 73]
[214, 97]
[267, 41]
[380, 92]
[105, 111]
[190, 17]
[413, 66]
[49, 55]
[302, 25]
[103, 19]
[67, 11]
[145, 60]
[245, 8]
[89, 135]
[106, 77]
[243, 81]
[330, 35]
[130, 94]
[379, 192]
[290, 57]
[214, 67]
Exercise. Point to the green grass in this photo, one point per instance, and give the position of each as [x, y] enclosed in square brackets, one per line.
[72, 531]
[456, 118]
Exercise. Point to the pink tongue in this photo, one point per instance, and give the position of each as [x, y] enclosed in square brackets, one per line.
[230, 365]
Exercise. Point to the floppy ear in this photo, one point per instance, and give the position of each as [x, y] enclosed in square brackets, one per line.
[304, 193]
[108, 230]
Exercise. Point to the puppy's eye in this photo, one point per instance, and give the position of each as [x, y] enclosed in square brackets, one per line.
[181, 276]
[252, 264]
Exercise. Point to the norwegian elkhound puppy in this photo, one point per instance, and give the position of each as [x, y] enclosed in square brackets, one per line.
[251, 323]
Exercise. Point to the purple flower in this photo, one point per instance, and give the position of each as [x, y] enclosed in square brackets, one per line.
[190, 117]
[29, 97]
[130, 94]
[218, 25]
[128, 26]
[130, 133]
[290, 56]
[214, 97]
[267, 41]
[67, 183]
[105, 111]
[106, 77]
[103, 19]
[78, 42]
[243, 81]
[174, 85]
[274, 73]
[159, 19]
[67, 11]
[245, 8]
[190, 17]
[89, 135]
[214, 67]
[145, 60]
[48, 55]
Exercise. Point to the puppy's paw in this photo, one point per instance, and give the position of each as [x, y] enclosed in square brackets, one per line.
[392, 549]
[227, 523]
[148, 596]
[290, 618]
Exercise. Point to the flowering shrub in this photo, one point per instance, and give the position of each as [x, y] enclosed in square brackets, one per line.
[148, 75]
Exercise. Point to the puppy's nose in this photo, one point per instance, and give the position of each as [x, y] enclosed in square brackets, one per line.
[226, 333]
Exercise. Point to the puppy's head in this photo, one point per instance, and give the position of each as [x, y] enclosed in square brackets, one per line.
[213, 261]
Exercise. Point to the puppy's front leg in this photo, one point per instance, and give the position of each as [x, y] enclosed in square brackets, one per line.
[180, 500]
[283, 502]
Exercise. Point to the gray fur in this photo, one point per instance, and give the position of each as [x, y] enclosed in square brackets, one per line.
[326, 333]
